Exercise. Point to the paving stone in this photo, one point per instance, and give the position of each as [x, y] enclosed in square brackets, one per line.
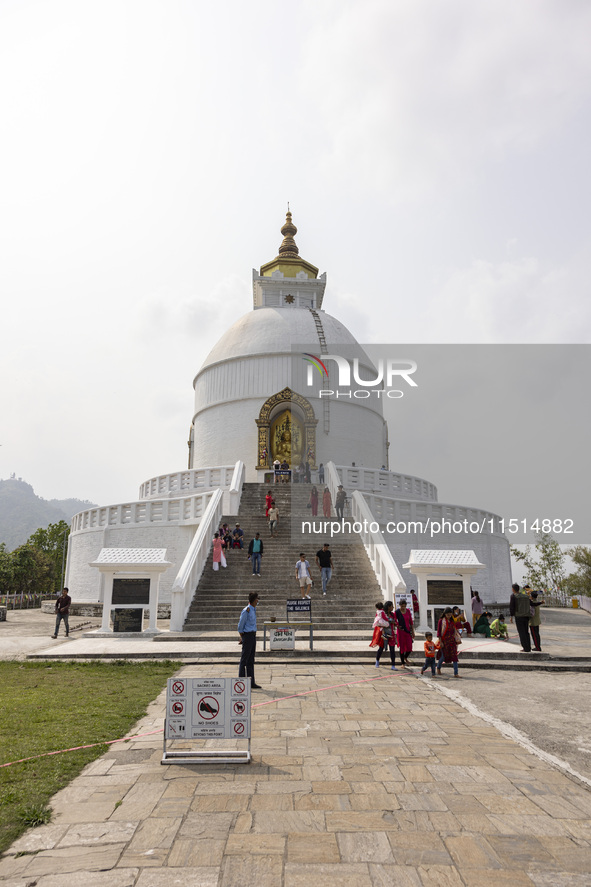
[188, 877]
[190, 853]
[523, 851]
[154, 832]
[214, 825]
[500, 878]
[442, 876]
[91, 859]
[311, 847]
[114, 878]
[251, 871]
[44, 837]
[467, 851]
[344, 875]
[364, 847]
[394, 876]
[285, 822]
[265, 845]
[89, 833]
[422, 849]
[139, 801]
[559, 879]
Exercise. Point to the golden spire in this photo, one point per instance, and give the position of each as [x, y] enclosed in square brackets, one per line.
[288, 259]
[288, 246]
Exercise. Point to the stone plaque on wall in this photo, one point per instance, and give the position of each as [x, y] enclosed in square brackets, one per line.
[445, 591]
[128, 619]
[131, 591]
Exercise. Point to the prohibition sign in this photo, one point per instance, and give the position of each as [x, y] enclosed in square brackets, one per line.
[239, 707]
[208, 708]
[178, 687]
[239, 728]
[177, 708]
[239, 687]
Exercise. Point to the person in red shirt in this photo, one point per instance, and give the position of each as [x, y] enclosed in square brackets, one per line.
[430, 651]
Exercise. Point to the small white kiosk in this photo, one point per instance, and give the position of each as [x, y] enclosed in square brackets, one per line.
[131, 579]
[439, 574]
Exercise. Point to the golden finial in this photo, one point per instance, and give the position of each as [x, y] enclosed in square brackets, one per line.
[288, 247]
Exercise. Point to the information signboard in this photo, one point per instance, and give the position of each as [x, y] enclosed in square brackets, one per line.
[282, 638]
[299, 609]
[207, 708]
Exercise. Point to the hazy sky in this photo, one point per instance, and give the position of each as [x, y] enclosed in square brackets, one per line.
[435, 156]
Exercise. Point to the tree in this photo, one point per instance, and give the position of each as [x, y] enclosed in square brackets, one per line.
[546, 567]
[5, 569]
[53, 542]
[31, 571]
[579, 582]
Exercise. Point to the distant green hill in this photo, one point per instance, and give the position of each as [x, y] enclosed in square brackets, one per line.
[22, 512]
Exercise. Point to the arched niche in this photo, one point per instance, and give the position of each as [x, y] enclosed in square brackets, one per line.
[286, 418]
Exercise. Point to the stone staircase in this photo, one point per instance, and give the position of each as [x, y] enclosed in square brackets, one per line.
[220, 596]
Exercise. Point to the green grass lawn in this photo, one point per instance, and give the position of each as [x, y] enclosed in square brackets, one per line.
[50, 706]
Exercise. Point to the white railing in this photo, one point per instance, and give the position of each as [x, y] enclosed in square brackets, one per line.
[191, 569]
[234, 494]
[387, 483]
[146, 512]
[384, 565]
[183, 510]
[331, 480]
[584, 602]
[388, 510]
[193, 480]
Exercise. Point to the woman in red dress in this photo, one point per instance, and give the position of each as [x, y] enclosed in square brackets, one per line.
[447, 632]
[406, 633]
[314, 501]
[326, 502]
[268, 501]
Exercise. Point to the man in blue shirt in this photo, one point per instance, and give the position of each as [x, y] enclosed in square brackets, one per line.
[247, 627]
[255, 553]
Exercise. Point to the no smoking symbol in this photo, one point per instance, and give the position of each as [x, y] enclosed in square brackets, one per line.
[177, 708]
[239, 728]
[239, 687]
[178, 687]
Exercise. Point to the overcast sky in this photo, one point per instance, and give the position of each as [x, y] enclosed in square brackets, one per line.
[435, 156]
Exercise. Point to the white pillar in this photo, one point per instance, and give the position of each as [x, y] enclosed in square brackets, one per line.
[423, 601]
[154, 585]
[108, 596]
[466, 578]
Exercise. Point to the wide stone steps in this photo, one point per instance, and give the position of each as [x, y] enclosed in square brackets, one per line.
[221, 594]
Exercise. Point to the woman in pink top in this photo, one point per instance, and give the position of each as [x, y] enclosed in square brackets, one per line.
[218, 552]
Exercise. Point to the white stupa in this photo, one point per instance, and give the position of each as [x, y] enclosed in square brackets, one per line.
[254, 402]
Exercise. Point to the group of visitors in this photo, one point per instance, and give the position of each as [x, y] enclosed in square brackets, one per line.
[339, 504]
[524, 607]
[324, 564]
[391, 629]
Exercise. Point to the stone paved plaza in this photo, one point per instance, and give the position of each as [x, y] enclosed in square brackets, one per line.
[367, 779]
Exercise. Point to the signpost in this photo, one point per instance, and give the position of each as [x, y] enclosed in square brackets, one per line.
[282, 634]
[207, 708]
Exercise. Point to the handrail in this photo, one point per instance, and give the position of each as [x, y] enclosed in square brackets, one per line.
[234, 494]
[384, 565]
[386, 483]
[185, 482]
[188, 576]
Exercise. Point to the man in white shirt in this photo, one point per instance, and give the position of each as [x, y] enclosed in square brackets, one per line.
[302, 572]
